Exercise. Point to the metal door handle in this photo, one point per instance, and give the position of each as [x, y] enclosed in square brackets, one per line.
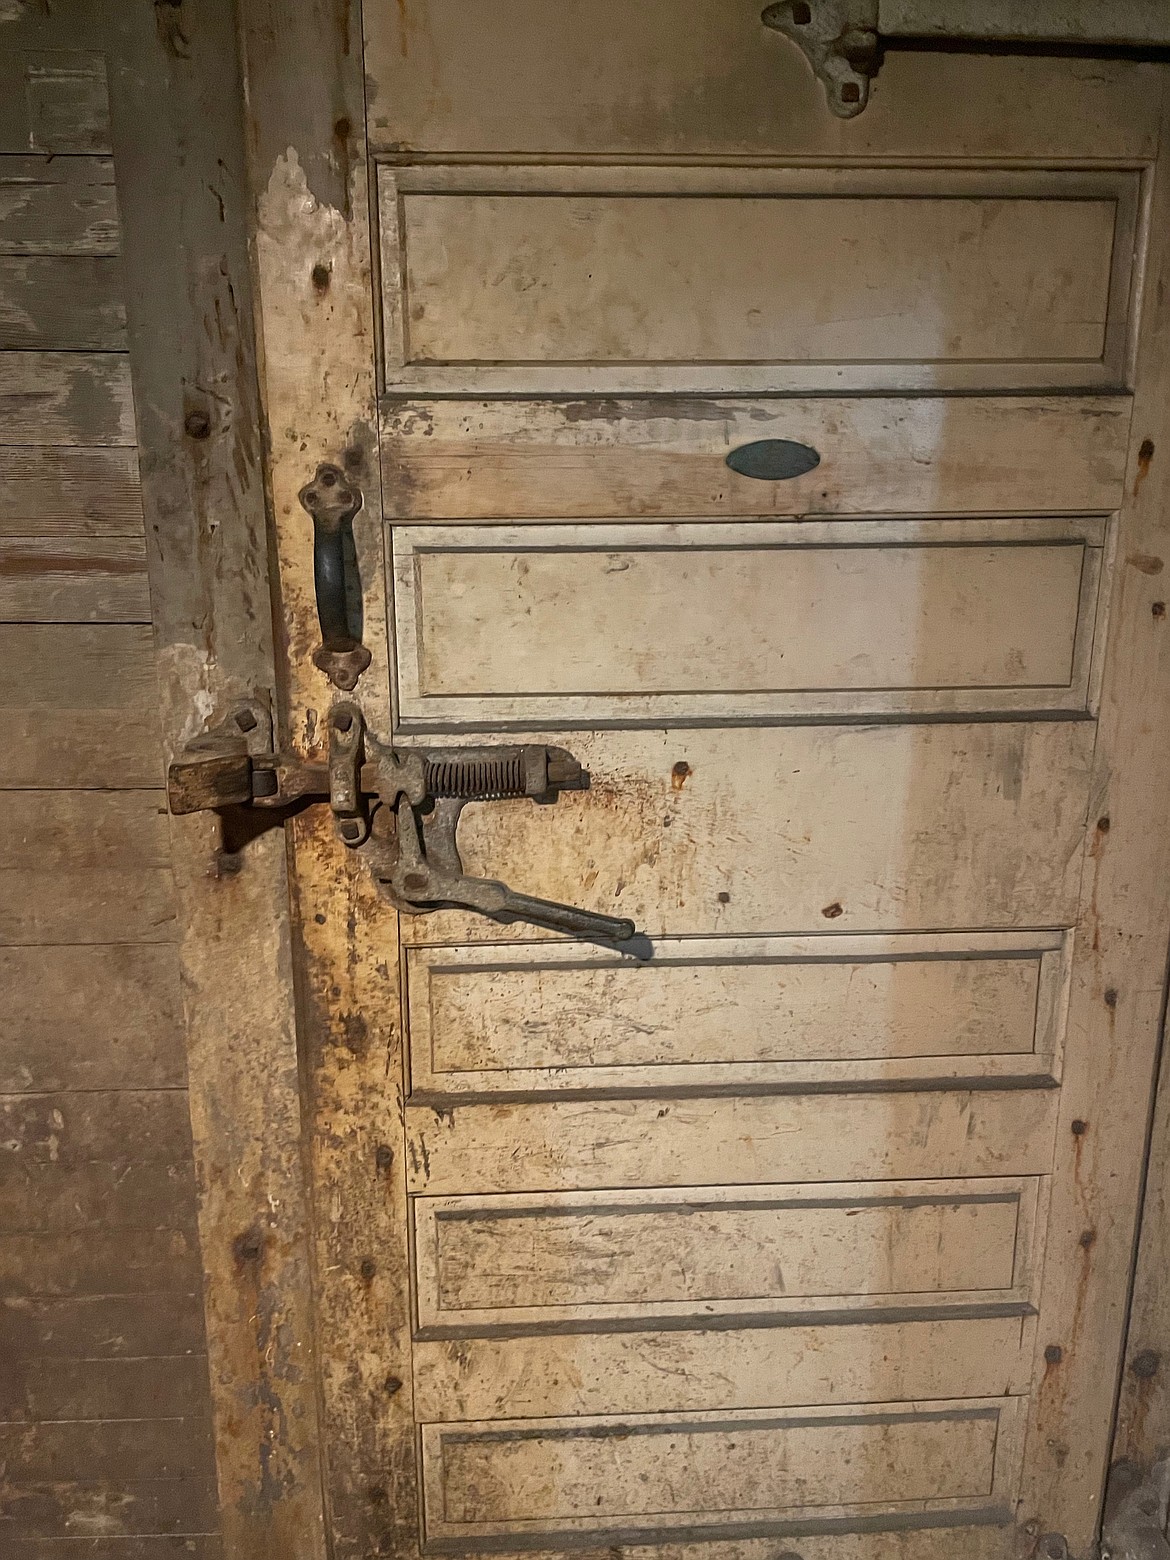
[401, 806]
[332, 500]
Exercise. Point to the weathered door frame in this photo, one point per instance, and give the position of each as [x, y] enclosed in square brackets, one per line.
[199, 172]
[177, 106]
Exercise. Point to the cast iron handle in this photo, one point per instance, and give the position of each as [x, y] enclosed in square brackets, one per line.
[332, 500]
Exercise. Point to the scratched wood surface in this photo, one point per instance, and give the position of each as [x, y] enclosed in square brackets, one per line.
[105, 1428]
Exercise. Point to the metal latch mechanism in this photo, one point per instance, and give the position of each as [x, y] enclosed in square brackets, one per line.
[401, 806]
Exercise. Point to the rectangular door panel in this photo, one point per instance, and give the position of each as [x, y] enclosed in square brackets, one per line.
[547, 1017]
[731, 280]
[601, 624]
[658, 1475]
[799, 829]
[545, 1259]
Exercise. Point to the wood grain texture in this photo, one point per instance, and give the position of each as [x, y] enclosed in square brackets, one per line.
[55, 491]
[99, 1195]
[80, 704]
[173, 1448]
[91, 1018]
[656, 458]
[71, 302]
[102, 1327]
[41, 1389]
[138, 1262]
[798, 829]
[721, 1368]
[714, 1012]
[79, 580]
[741, 1473]
[75, 1508]
[188, 1546]
[65, 398]
[179, 147]
[58, 206]
[645, 1142]
[74, 1127]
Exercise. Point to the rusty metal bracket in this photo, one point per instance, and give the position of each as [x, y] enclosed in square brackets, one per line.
[400, 805]
[839, 38]
[332, 500]
[844, 40]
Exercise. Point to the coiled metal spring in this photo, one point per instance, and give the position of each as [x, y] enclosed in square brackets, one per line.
[481, 778]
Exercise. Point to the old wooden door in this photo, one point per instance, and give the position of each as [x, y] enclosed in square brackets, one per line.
[810, 1233]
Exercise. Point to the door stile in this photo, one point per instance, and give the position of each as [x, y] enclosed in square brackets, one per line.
[316, 328]
[176, 101]
[1118, 974]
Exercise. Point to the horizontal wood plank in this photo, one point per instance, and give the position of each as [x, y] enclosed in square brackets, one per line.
[100, 1261]
[69, 1129]
[717, 1012]
[802, 279]
[77, 907]
[570, 1144]
[62, 302]
[101, 1327]
[158, 1546]
[116, 1194]
[67, 101]
[75, 580]
[666, 456]
[674, 1372]
[58, 206]
[47, 1388]
[50, 490]
[80, 705]
[66, 398]
[70, 830]
[79, 866]
[151, 1448]
[91, 1018]
[75, 1508]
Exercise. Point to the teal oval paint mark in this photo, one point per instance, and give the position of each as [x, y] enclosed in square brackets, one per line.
[773, 460]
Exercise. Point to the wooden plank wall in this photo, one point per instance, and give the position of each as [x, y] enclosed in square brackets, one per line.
[105, 1432]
